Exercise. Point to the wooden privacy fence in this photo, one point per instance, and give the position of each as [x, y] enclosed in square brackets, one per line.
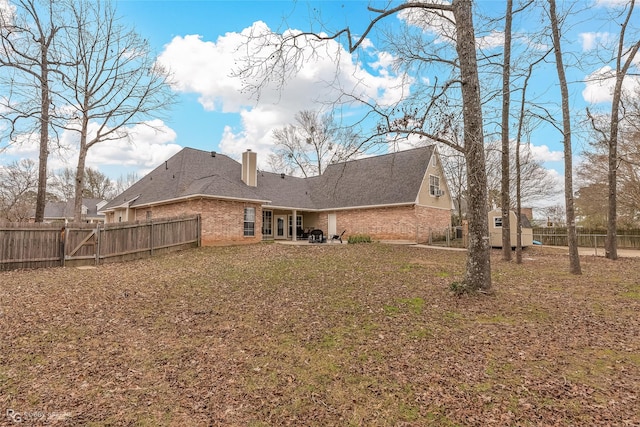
[50, 245]
[587, 237]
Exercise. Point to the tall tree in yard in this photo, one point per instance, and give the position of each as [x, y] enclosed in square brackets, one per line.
[29, 37]
[115, 84]
[478, 271]
[275, 57]
[506, 102]
[572, 237]
[625, 57]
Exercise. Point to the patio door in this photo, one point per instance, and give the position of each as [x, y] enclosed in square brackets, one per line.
[331, 225]
[281, 227]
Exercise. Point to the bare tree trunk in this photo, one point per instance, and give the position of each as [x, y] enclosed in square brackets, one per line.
[41, 197]
[478, 272]
[572, 238]
[82, 159]
[611, 242]
[506, 102]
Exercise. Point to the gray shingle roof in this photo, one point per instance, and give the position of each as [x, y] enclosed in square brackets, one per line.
[65, 209]
[381, 180]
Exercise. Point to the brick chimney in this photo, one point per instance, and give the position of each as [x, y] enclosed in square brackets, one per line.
[250, 168]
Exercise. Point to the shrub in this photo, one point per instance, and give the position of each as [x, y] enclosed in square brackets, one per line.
[359, 238]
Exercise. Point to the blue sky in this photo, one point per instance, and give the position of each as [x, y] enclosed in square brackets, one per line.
[197, 39]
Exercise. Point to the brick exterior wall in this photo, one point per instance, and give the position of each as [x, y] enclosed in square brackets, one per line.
[222, 220]
[413, 223]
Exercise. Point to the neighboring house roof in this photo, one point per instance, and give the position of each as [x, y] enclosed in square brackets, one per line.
[61, 210]
[381, 180]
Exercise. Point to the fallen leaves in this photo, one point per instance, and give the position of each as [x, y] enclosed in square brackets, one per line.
[322, 335]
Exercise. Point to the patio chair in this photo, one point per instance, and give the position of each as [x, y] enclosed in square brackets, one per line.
[316, 236]
[301, 234]
[338, 236]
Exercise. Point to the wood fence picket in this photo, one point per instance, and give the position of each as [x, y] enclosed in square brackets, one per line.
[24, 245]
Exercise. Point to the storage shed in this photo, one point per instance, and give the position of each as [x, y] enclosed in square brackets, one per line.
[495, 229]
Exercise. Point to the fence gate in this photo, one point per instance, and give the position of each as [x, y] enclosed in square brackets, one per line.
[81, 243]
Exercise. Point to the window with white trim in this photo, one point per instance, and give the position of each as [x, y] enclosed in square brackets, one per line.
[434, 186]
[249, 222]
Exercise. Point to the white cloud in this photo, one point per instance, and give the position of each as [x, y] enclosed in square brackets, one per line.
[542, 153]
[148, 145]
[611, 3]
[326, 71]
[599, 85]
[592, 40]
[437, 22]
[7, 10]
[203, 68]
[495, 39]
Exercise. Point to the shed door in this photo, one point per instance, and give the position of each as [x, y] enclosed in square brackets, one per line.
[331, 224]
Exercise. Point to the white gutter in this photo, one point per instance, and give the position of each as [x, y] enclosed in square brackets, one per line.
[184, 198]
[340, 209]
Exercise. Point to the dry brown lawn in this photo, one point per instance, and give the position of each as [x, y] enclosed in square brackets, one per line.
[346, 335]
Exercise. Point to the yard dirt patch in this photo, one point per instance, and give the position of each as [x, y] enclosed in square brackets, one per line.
[362, 335]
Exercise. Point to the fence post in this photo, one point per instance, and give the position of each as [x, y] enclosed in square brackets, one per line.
[199, 229]
[97, 244]
[62, 248]
[151, 236]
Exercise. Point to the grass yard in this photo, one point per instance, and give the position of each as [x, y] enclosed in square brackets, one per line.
[345, 335]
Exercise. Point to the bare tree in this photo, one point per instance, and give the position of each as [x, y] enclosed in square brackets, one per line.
[518, 158]
[536, 182]
[18, 189]
[62, 184]
[624, 59]
[29, 35]
[506, 102]
[125, 181]
[556, 215]
[115, 84]
[572, 237]
[279, 57]
[312, 144]
[454, 168]
[593, 173]
[97, 185]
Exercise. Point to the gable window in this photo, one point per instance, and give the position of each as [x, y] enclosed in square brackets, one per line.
[267, 223]
[434, 186]
[497, 222]
[249, 222]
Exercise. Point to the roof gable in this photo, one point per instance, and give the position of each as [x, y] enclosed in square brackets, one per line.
[393, 178]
